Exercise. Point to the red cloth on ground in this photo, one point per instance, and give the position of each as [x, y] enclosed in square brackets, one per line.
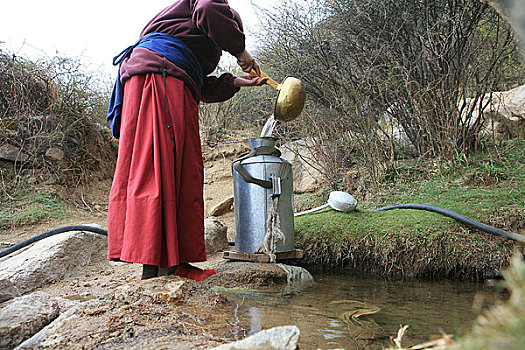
[156, 207]
[193, 272]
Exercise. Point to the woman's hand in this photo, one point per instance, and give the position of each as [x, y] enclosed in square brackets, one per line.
[248, 80]
[247, 63]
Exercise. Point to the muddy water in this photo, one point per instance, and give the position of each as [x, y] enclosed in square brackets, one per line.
[319, 308]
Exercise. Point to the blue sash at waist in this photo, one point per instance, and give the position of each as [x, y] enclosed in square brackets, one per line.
[168, 46]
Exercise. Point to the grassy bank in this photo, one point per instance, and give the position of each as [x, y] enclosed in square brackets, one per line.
[489, 188]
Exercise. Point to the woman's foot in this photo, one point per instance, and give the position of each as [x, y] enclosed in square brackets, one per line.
[189, 271]
[149, 271]
[167, 271]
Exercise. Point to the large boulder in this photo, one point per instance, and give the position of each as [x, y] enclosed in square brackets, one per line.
[48, 260]
[304, 160]
[73, 315]
[512, 11]
[277, 338]
[257, 275]
[503, 112]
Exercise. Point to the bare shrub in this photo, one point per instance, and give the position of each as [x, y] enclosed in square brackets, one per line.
[55, 103]
[369, 61]
[245, 113]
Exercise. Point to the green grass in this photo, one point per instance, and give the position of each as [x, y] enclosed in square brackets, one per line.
[27, 208]
[500, 192]
[481, 204]
[338, 227]
[489, 188]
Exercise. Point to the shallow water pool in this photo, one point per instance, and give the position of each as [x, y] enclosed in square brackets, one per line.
[340, 310]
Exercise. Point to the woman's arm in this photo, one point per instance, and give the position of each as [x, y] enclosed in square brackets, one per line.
[218, 21]
[219, 89]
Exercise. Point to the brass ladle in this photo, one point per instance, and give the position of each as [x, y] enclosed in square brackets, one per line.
[290, 99]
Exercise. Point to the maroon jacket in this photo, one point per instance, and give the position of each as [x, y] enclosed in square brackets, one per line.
[207, 27]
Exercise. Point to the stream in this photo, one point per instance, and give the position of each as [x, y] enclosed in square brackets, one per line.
[319, 309]
[342, 310]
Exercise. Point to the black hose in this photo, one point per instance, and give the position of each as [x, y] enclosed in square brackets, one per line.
[458, 217]
[50, 233]
[432, 208]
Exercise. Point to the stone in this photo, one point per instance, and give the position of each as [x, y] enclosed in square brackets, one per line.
[169, 289]
[51, 335]
[242, 274]
[304, 160]
[12, 153]
[215, 235]
[296, 274]
[55, 154]
[22, 317]
[50, 259]
[503, 112]
[277, 338]
[91, 311]
[8, 290]
[225, 206]
[512, 11]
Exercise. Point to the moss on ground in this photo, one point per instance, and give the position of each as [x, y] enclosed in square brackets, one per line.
[490, 188]
[28, 208]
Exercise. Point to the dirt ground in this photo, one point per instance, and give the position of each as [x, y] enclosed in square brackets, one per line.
[120, 326]
[91, 201]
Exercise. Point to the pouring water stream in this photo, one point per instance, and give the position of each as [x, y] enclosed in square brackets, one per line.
[268, 127]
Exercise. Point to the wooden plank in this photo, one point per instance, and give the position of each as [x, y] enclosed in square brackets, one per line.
[246, 256]
[261, 257]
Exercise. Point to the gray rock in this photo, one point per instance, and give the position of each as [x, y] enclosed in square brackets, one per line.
[53, 334]
[8, 290]
[248, 275]
[277, 338]
[22, 317]
[215, 235]
[50, 259]
[514, 12]
[296, 274]
[304, 161]
[223, 207]
[11, 153]
[169, 289]
[47, 336]
[55, 154]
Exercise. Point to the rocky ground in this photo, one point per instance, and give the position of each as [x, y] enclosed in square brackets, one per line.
[67, 293]
[96, 304]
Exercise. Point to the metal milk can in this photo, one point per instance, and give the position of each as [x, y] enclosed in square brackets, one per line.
[263, 192]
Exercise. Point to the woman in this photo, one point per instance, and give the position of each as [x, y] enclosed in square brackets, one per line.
[156, 207]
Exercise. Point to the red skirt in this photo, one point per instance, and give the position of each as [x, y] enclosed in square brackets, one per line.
[156, 207]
